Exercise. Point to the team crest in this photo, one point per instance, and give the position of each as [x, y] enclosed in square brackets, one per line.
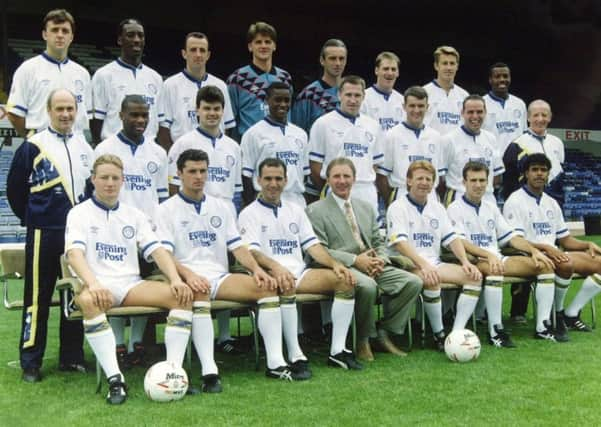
[152, 167]
[431, 148]
[491, 224]
[230, 161]
[216, 221]
[434, 223]
[517, 113]
[550, 214]
[488, 152]
[78, 86]
[293, 228]
[152, 89]
[299, 143]
[128, 232]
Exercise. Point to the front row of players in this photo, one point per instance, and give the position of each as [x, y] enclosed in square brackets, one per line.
[195, 231]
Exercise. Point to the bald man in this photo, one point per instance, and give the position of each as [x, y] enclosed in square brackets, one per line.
[46, 179]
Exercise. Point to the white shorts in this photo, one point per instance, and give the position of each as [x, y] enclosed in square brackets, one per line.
[120, 291]
[216, 282]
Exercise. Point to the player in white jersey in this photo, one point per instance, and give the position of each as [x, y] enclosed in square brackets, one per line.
[346, 133]
[445, 97]
[37, 77]
[275, 136]
[178, 98]
[125, 76]
[417, 227]
[278, 234]
[470, 142]
[407, 142]
[199, 230]
[538, 217]
[382, 102]
[144, 187]
[102, 240]
[225, 179]
[505, 113]
[535, 140]
[484, 229]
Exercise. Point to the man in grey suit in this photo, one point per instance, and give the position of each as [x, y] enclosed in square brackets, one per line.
[349, 230]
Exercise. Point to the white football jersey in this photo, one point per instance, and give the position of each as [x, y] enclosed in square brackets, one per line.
[505, 118]
[385, 108]
[444, 111]
[281, 232]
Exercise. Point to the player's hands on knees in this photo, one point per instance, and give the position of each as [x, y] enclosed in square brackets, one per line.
[182, 292]
[101, 297]
[471, 270]
[556, 255]
[284, 277]
[264, 280]
[541, 261]
[344, 274]
[495, 265]
[197, 283]
[430, 275]
[593, 249]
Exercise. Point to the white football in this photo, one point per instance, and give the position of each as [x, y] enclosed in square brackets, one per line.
[165, 381]
[462, 345]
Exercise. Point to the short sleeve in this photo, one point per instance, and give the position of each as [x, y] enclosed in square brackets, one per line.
[19, 96]
[100, 96]
[249, 229]
[317, 148]
[249, 153]
[397, 224]
[75, 231]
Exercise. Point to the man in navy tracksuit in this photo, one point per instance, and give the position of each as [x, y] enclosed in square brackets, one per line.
[47, 177]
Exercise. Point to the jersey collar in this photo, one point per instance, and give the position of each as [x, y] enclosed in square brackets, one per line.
[60, 135]
[132, 145]
[472, 204]
[418, 206]
[207, 135]
[386, 95]
[469, 132]
[347, 115]
[54, 61]
[415, 130]
[194, 79]
[531, 194]
[500, 100]
[259, 71]
[273, 207]
[324, 85]
[536, 136]
[435, 83]
[272, 122]
[196, 203]
[104, 207]
[120, 62]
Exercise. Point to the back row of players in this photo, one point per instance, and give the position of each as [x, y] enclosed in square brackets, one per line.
[261, 102]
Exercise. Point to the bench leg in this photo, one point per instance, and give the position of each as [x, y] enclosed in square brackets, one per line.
[255, 332]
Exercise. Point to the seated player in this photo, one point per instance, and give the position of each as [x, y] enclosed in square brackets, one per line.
[483, 227]
[199, 229]
[278, 233]
[102, 240]
[538, 217]
[417, 227]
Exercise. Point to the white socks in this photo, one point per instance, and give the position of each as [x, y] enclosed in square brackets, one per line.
[342, 314]
[177, 334]
[202, 336]
[269, 324]
[100, 336]
[544, 298]
[561, 289]
[290, 327]
[493, 297]
[433, 309]
[590, 287]
[466, 303]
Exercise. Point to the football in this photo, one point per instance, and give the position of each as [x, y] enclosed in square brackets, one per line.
[165, 381]
[462, 345]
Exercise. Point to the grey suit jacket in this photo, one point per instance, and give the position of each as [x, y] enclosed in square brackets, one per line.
[334, 231]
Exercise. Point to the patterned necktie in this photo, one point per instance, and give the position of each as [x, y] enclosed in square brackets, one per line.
[348, 210]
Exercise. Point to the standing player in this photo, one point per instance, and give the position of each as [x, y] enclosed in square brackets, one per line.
[470, 142]
[278, 234]
[535, 140]
[224, 180]
[345, 133]
[178, 108]
[445, 96]
[484, 230]
[125, 76]
[538, 217]
[382, 102]
[247, 85]
[321, 96]
[145, 186]
[417, 227]
[102, 241]
[37, 77]
[46, 179]
[505, 113]
[407, 142]
[199, 229]
[275, 137]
